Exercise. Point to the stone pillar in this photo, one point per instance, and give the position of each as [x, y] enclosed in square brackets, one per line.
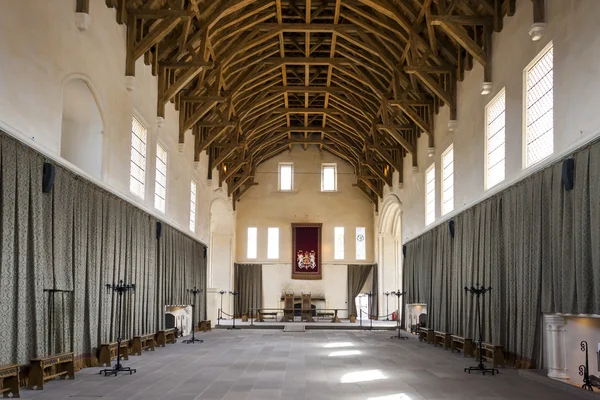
[556, 347]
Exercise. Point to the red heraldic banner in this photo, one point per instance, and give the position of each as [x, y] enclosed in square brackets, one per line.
[306, 251]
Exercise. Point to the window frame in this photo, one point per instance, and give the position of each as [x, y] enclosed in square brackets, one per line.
[193, 204]
[364, 242]
[525, 133]
[427, 171]
[143, 167]
[291, 165]
[156, 172]
[488, 106]
[276, 255]
[443, 182]
[335, 243]
[327, 166]
[255, 250]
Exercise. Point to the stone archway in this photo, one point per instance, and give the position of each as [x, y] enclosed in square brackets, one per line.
[389, 250]
[82, 140]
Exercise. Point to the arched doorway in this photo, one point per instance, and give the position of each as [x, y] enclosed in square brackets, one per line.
[82, 137]
[220, 268]
[389, 251]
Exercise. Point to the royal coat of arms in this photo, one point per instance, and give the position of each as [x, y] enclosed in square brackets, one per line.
[306, 260]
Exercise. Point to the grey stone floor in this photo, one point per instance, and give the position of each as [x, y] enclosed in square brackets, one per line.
[269, 364]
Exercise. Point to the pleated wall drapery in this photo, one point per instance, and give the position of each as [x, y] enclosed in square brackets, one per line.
[357, 277]
[536, 244]
[60, 249]
[248, 283]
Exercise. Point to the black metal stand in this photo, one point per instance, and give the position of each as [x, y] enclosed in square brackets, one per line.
[369, 295]
[398, 293]
[222, 292]
[584, 370]
[479, 291]
[193, 339]
[234, 294]
[120, 288]
[387, 306]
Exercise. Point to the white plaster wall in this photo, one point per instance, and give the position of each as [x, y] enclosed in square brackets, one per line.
[40, 48]
[573, 28]
[264, 206]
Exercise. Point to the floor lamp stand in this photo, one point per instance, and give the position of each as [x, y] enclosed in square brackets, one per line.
[193, 292]
[479, 291]
[234, 294]
[398, 294]
[220, 316]
[120, 288]
[387, 306]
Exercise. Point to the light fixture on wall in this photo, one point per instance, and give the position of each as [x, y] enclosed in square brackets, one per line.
[224, 168]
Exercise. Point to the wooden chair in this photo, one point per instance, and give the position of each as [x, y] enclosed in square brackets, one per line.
[458, 343]
[9, 380]
[142, 342]
[306, 308]
[46, 368]
[288, 308]
[108, 352]
[204, 326]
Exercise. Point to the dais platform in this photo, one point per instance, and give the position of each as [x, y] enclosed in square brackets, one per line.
[317, 325]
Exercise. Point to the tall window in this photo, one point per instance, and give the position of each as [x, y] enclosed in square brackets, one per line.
[137, 177]
[361, 249]
[328, 177]
[430, 195]
[448, 180]
[495, 152]
[252, 243]
[160, 187]
[338, 245]
[539, 104]
[193, 206]
[273, 243]
[286, 173]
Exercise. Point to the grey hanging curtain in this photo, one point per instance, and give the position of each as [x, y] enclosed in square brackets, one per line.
[248, 283]
[536, 244]
[375, 292]
[60, 249]
[357, 277]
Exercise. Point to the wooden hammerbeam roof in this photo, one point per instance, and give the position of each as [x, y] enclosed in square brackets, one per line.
[361, 79]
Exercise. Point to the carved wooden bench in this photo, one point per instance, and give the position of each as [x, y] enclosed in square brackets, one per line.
[46, 368]
[426, 335]
[204, 326]
[165, 336]
[491, 353]
[9, 380]
[142, 342]
[108, 352]
[442, 339]
[458, 343]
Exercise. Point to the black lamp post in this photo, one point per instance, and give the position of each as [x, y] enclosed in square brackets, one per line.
[193, 292]
[234, 294]
[398, 294]
[121, 288]
[220, 316]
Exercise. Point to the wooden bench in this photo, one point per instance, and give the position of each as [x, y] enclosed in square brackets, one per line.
[165, 336]
[327, 315]
[458, 343]
[9, 380]
[263, 314]
[143, 342]
[426, 335]
[204, 326]
[442, 339]
[108, 352]
[46, 368]
[491, 353]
